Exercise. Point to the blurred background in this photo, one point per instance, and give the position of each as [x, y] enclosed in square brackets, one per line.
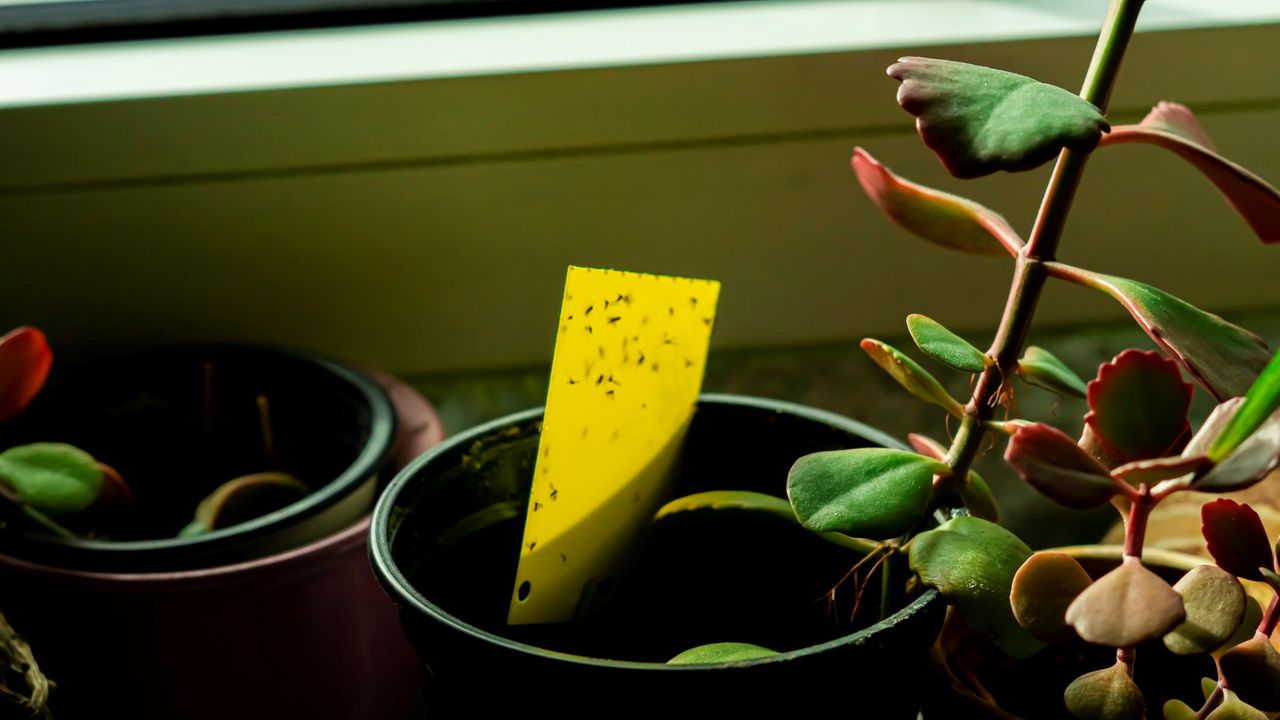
[402, 184]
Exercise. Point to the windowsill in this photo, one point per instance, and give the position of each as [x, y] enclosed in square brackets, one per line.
[602, 39]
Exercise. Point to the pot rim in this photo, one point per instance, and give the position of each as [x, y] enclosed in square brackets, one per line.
[376, 451]
[396, 584]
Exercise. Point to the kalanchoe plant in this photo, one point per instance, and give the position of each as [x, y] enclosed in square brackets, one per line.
[1137, 448]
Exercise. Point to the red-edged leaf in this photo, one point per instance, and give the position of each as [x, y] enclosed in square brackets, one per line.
[927, 446]
[980, 120]
[1138, 406]
[1157, 469]
[1212, 427]
[25, 358]
[1223, 357]
[1260, 403]
[941, 218]
[1247, 464]
[1236, 538]
[1174, 128]
[1052, 463]
[910, 375]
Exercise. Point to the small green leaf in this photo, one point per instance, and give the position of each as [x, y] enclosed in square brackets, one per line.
[750, 502]
[940, 218]
[1223, 357]
[1043, 589]
[1232, 708]
[1126, 606]
[1178, 710]
[1215, 603]
[1108, 694]
[1260, 403]
[1174, 128]
[869, 492]
[53, 478]
[977, 496]
[980, 120]
[1138, 406]
[945, 346]
[1041, 368]
[1052, 463]
[911, 376]
[972, 562]
[718, 653]
[1252, 670]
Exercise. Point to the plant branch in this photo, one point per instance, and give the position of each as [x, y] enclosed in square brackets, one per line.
[1135, 526]
[1211, 703]
[1270, 617]
[1030, 272]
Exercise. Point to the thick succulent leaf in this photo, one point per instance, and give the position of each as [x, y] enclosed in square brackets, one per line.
[1158, 469]
[1233, 708]
[1108, 694]
[911, 376]
[1252, 670]
[1178, 710]
[1043, 588]
[980, 120]
[53, 478]
[945, 346]
[1236, 538]
[941, 218]
[719, 501]
[927, 446]
[869, 492]
[1221, 356]
[717, 653]
[25, 359]
[1126, 606]
[244, 498]
[1040, 367]
[977, 496]
[1260, 403]
[1250, 462]
[1138, 406]
[1174, 128]
[1248, 625]
[1051, 462]
[1215, 602]
[1212, 427]
[972, 562]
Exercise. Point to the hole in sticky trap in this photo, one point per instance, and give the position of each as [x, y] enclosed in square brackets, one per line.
[523, 593]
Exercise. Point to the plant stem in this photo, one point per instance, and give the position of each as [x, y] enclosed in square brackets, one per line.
[1135, 526]
[1030, 272]
[1270, 617]
[1211, 703]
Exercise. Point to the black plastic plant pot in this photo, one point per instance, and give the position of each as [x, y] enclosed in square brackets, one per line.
[177, 423]
[445, 545]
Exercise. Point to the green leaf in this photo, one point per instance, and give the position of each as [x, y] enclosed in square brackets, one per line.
[1252, 670]
[1108, 694]
[977, 496]
[980, 120]
[1126, 606]
[1252, 461]
[718, 653]
[972, 562]
[1043, 588]
[1262, 400]
[1223, 357]
[243, 499]
[1051, 462]
[911, 376]
[941, 218]
[1138, 406]
[1215, 605]
[869, 492]
[1178, 710]
[1174, 128]
[53, 478]
[1040, 367]
[749, 502]
[1232, 708]
[945, 346]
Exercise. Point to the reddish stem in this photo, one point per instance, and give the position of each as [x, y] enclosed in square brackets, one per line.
[1271, 616]
[1135, 526]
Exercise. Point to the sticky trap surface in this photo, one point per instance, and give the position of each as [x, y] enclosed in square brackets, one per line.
[630, 353]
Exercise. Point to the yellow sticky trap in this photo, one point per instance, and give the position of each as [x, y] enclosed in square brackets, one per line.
[625, 378]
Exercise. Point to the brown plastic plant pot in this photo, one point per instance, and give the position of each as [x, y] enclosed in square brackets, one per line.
[739, 577]
[177, 423]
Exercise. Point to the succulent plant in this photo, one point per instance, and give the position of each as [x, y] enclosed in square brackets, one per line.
[1137, 447]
